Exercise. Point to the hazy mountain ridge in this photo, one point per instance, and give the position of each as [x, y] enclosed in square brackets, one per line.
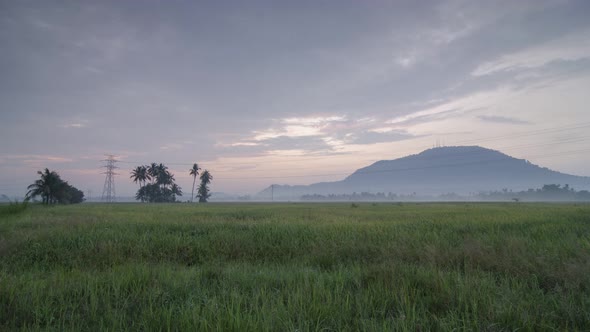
[460, 169]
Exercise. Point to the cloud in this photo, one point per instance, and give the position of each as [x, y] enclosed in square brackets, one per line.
[310, 143]
[312, 121]
[421, 44]
[445, 111]
[34, 160]
[502, 120]
[279, 143]
[569, 48]
[327, 134]
[297, 127]
[286, 131]
[484, 100]
[74, 125]
[373, 137]
[406, 61]
[245, 144]
[172, 146]
[451, 22]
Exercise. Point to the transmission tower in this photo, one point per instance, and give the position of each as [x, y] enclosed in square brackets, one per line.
[108, 191]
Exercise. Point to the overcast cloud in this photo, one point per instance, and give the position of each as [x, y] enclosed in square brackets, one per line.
[263, 92]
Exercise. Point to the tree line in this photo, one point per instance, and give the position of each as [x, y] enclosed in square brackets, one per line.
[548, 192]
[157, 184]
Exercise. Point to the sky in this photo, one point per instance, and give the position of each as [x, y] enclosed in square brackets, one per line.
[285, 92]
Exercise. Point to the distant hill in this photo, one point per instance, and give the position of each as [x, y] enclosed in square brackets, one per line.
[461, 169]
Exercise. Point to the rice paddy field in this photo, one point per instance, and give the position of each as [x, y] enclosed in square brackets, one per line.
[296, 267]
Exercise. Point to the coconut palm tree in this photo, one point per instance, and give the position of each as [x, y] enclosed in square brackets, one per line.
[38, 188]
[206, 177]
[163, 177]
[203, 191]
[152, 171]
[145, 174]
[194, 172]
[138, 174]
[48, 187]
[162, 187]
[176, 190]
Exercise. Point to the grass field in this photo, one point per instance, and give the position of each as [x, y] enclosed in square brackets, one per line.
[296, 267]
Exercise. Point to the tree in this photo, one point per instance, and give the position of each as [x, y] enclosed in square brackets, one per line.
[176, 190]
[203, 191]
[152, 170]
[74, 194]
[162, 187]
[194, 172]
[46, 186]
[164, 177]
[53, 189]
[140, 175]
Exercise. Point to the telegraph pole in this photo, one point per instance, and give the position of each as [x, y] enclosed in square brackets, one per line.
[108, 191]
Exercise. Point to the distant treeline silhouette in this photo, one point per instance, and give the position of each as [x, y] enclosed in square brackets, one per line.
[363, 196]
[549, 192]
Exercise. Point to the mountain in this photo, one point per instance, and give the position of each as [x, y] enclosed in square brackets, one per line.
[458, 169]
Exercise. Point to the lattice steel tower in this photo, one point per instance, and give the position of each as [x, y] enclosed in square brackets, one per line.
[108, 191]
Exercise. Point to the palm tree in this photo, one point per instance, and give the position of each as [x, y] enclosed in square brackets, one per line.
[162, 187]
[152, 171]
[145, 174]
[48, 187]
[176, 190]
[206, 177]
[138, 174]
[38, 188]
[194, 172]
[163, 177]
[203, 191]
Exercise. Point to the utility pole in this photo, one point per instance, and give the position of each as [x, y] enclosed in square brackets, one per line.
[108, 191]
[272, 192]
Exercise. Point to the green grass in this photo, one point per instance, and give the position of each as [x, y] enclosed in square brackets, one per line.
[15, 207]
[296, 267]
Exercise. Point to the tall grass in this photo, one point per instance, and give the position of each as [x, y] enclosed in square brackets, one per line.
[13, 207]
[304, 267]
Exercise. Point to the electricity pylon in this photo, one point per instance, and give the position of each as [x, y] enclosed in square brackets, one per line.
[108, 191]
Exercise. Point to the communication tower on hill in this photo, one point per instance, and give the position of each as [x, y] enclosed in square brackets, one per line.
[108, 191]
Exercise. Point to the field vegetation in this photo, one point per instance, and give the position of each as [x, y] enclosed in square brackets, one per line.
[296, 267]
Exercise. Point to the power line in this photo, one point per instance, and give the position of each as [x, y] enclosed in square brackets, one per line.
[529, 133]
